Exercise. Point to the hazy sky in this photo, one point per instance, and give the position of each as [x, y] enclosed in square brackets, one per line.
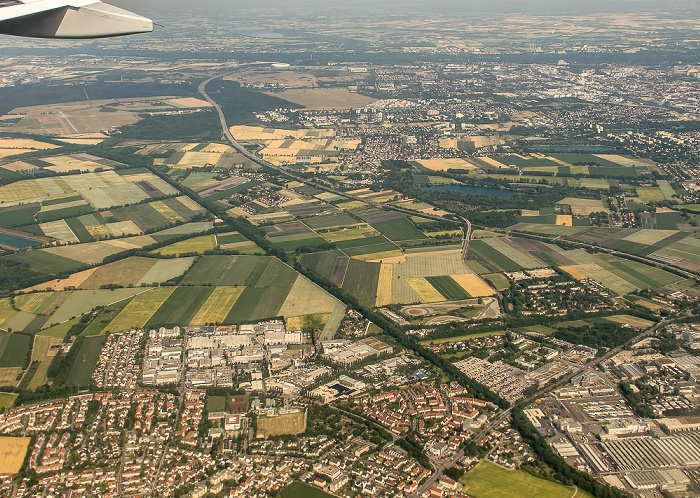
[427, 6]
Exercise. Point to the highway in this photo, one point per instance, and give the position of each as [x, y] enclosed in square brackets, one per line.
[467, 228]
[551, 239]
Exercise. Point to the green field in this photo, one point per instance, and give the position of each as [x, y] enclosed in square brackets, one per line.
[361, 281]
[330, 221]
[491, 258]
[15, 352]
[180, 307]
[488, 480]
[399, 229]
[634, 321]
[104, 317]
[216, 403]
[463, 337]
[322, 263]
[59, 330]
[302, 490]
[195, 245]
[140, 309]
[448, 288]
[85, 362]
[7, 400]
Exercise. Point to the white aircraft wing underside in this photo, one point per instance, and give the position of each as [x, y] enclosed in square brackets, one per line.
[68, 19]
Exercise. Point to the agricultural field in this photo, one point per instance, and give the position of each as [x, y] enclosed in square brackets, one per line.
[54, 259]
[88, 207]
[134, 271]
[140, 310]
[194, 245]
[85, 362]
[300, 489]
[324, 98]
[12, 453]
[217, 305]
[43, 354]
[83, 163]
[15, 348]
[436, 274]
[636, 322]
[219, 289]
[129, 220]
[488, 480]
[509, 254]
[279, 425]
[102, 190]
[7, 400]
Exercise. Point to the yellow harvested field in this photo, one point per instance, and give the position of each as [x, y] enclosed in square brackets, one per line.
[379, 256]
[427, 292]
[194, 245]
[189, 203]
[166, 211]
[24, 143]
[384, 284]
[474, 285]
[60, 230]
[565, 220]
[312, 320]
[219, 148]
[72, 118]
[584, 207]
[24, 190]
[19, 166]
[13, 450]
[75, 280]
[394, 260]
[32, 303]
[289, 423]
[82, 162]
[445, 164]
[347, 233]
[139, 310]
[574, 272]
[306, 298]
[493, 162]
[217, 305]
[245, 132]
[626, 161]
[429, 254]
[324, 98]
[82, 141]
[6, 311]
[188, 102]
[451, 233]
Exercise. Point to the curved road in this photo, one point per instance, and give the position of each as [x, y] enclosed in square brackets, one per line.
[467, 231]
[465, 246]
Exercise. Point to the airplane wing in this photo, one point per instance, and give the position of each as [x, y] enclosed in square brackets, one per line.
[68, 19]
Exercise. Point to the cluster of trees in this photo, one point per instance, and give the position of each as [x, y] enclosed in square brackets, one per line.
[598, 335]
[637, 400]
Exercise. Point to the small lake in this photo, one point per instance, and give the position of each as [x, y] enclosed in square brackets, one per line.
[471, 190]
[15, 241]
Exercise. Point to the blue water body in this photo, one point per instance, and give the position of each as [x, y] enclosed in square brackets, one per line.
[573, 148]
[259, 33]
[15, 241]
[471, 190]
